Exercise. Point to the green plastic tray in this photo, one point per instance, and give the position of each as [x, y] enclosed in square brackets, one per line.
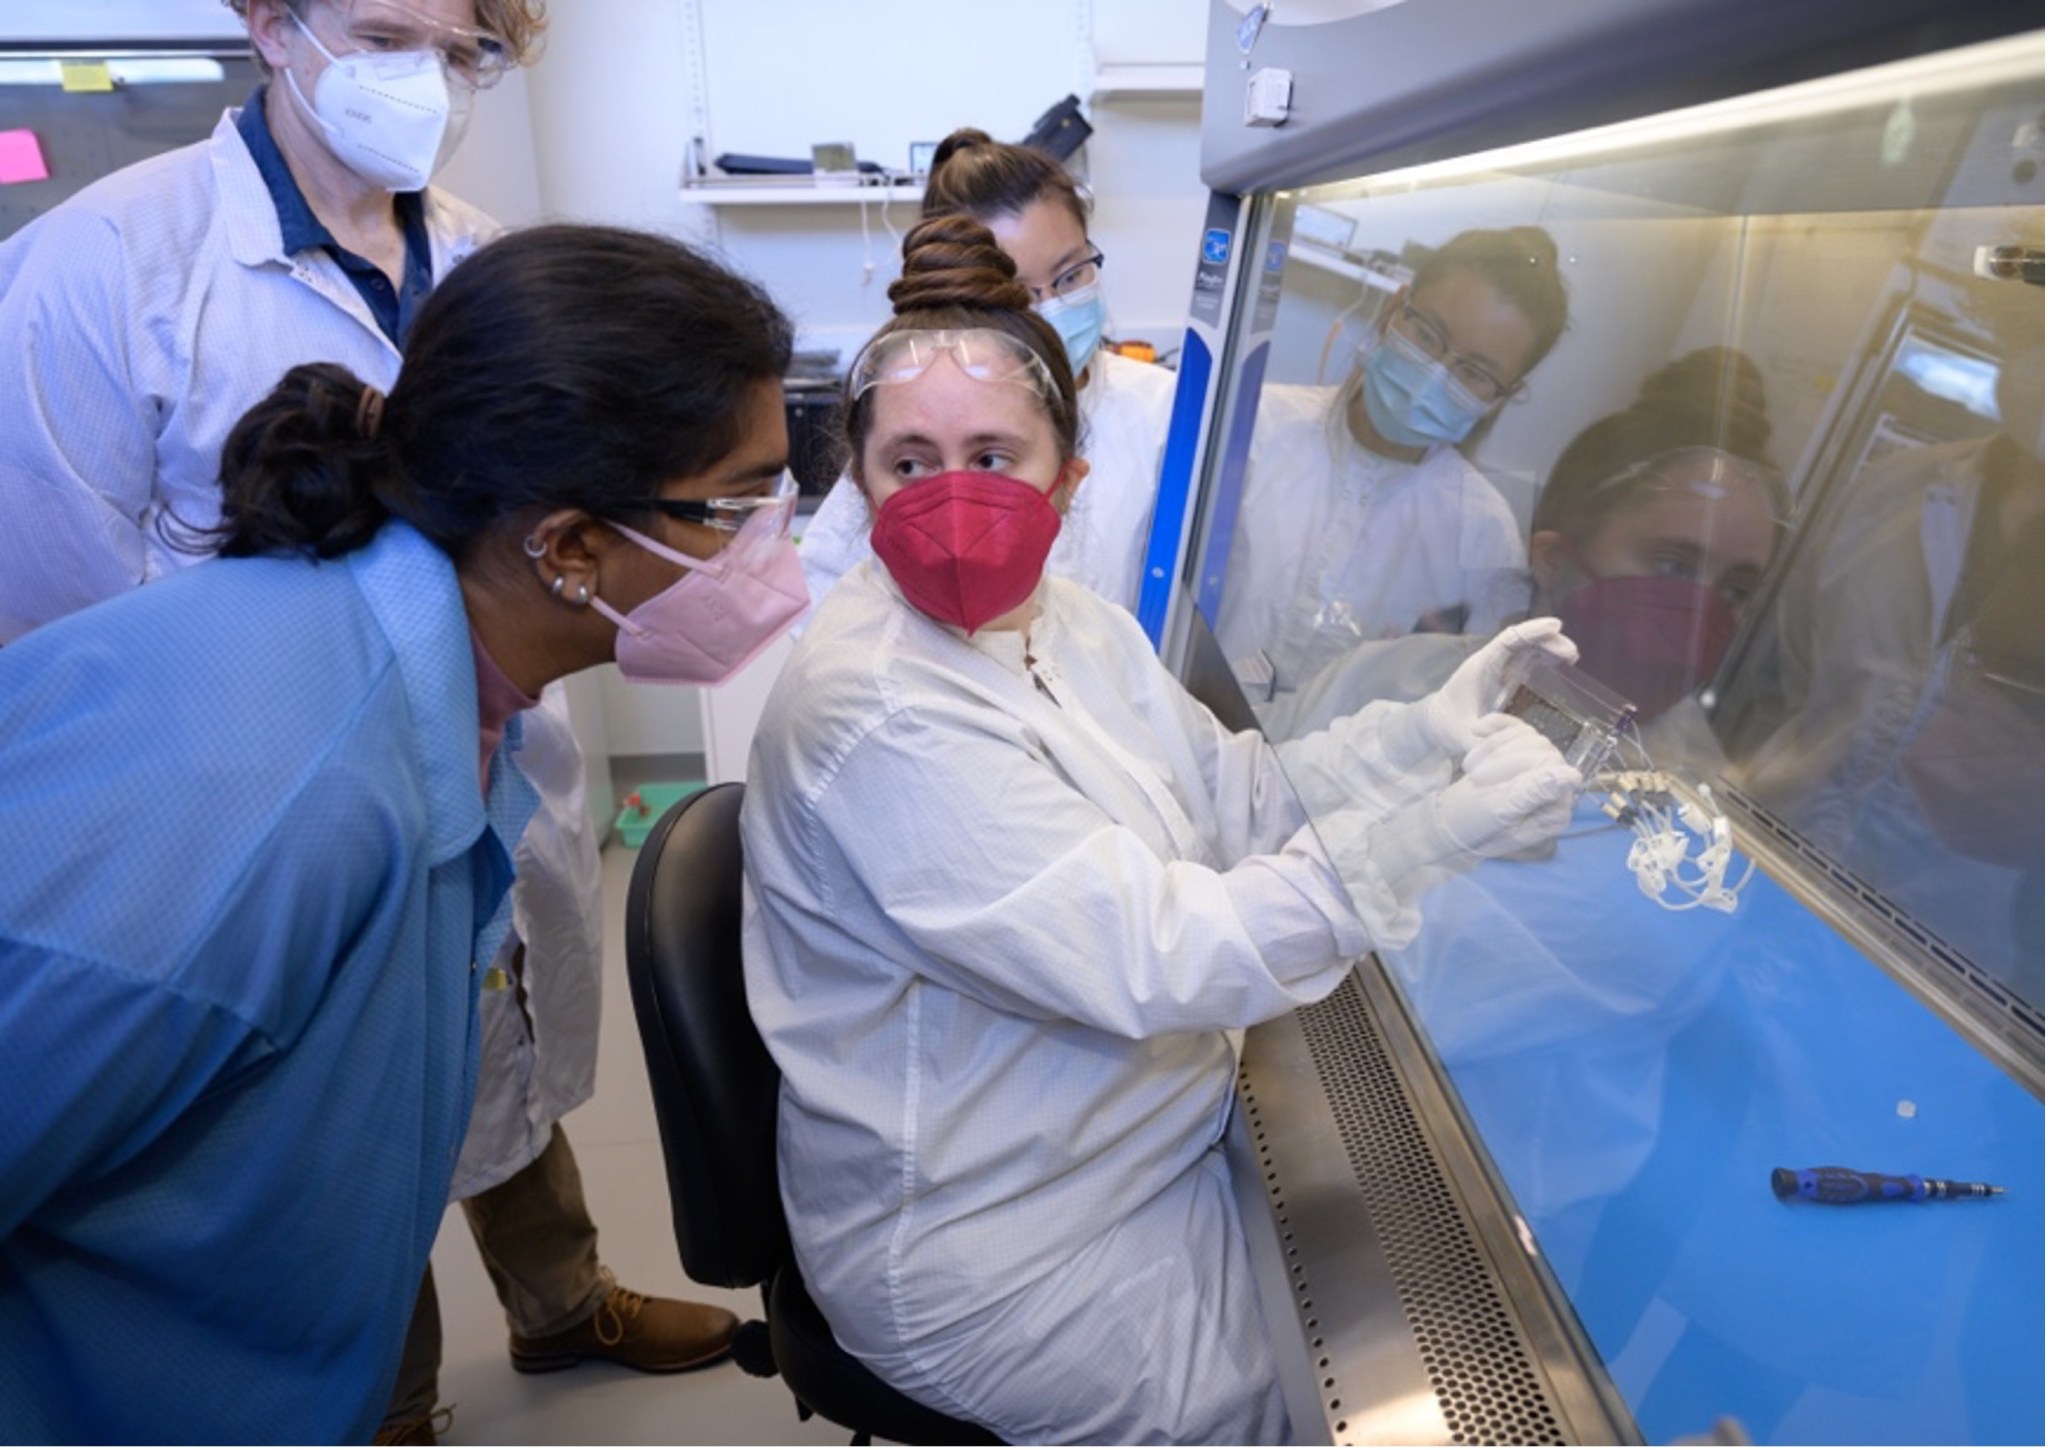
[646, 805]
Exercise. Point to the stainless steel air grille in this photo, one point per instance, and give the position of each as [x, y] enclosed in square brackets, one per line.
[1479, 1363]
[1996, 999]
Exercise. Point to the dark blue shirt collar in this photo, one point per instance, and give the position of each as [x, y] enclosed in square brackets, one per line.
[300, 230]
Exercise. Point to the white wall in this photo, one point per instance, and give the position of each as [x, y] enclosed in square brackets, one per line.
[778, 78]
[1143, 165]
[494, 167]
[611, 114]
[207, 20]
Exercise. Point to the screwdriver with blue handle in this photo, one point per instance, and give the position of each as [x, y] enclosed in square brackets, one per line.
[1846, 1185]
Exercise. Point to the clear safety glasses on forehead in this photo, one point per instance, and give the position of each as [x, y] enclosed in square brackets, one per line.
[468, 53]
[769, 512]
[1701, 470]
[983, 353]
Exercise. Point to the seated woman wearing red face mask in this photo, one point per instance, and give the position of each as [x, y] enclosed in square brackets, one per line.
[1654, 530]
[1651, 533]
[1010, 887]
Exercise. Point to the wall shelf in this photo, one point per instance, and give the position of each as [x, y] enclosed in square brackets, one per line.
[787, 191]
[1343, 264]
[1146, 82]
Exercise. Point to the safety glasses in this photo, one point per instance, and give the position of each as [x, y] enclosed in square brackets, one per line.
[469, 54]
[775, 508]
[1072, 280]
[1699, 469]
[1480, 385]
[983, 353]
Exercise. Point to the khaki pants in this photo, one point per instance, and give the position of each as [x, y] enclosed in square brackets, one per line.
[540, 1249]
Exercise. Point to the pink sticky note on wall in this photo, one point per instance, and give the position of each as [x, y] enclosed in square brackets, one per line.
[21, 158]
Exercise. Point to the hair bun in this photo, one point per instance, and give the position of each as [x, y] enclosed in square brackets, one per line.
[967, 138]
[299, 471]
[1536, 244]
[1723, 384]
[953, 261]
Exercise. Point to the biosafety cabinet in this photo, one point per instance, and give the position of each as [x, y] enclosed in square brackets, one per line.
[1543, 1171]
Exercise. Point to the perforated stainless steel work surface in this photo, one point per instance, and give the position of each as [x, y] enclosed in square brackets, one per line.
[1422, 1318]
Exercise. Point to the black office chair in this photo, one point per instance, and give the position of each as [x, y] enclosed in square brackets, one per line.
[715, 1090]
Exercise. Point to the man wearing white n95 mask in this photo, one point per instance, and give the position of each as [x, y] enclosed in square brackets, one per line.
[154, 307]
[145, 315]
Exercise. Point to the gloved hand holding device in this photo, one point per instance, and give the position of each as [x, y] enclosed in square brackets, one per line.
[1515, 794]
[1447, 722]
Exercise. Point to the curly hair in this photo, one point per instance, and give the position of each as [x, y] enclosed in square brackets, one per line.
[518, 23]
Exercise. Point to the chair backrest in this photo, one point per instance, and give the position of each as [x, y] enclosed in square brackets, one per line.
[715, 1086]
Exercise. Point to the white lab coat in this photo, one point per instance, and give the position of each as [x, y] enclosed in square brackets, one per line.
[1858, 626]
[142, 318]
[1335, 546]
[1101, 543]
[995, 943]
[1861, 665]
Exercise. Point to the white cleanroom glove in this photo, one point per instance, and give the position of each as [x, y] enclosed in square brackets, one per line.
[1444, 723]
[1516, 794]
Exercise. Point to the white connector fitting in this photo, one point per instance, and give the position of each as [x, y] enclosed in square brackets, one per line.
[1268, 96]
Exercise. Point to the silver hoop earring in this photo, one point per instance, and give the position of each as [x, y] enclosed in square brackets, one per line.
[582, 594]
[535, 549]
[561, 583]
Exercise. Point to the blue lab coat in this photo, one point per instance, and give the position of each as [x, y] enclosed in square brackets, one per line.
[246, 879]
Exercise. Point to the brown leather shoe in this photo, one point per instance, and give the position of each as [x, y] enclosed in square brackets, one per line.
[421, 1431]
[655, 1336]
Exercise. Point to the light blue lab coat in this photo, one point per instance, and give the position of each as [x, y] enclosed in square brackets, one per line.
[246, 877]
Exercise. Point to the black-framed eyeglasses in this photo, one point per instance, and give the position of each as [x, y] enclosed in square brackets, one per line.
[1476, 377]
[730, 515]
[1082, 274]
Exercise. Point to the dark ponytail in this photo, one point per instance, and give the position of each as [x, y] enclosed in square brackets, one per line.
[560, 367]
[300, 471]
[1710, 398]
[1725, 383]
[974, 173]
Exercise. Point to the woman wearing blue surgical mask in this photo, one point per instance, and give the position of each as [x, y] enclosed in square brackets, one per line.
[1361, 518]
[264, 815]
[1039, 216]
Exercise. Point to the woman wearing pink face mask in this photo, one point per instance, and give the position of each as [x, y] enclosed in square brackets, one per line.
[1011, 889]
[265, 813]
